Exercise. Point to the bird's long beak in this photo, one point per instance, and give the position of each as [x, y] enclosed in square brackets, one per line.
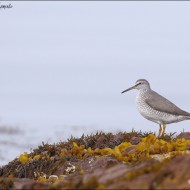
[133, 87]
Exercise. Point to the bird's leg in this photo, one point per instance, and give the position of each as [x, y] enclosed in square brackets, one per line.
[164, 128]
[160, 131]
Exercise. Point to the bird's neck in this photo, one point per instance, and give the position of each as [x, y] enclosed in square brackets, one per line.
[144, 90]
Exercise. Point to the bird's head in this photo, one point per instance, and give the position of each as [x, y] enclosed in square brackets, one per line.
[140, 84]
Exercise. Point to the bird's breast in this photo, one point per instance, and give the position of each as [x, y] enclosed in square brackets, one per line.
[141, 104]
[146, 111]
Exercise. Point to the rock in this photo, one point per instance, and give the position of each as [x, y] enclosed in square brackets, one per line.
[175, 174]
[53, 178]
[149, 174]
[104, 162]
[87, 164]
[113, 173]
[104, 177]
[143, 181]
[118, 138]
[135, 140]
[95, 170]
[101, 141]
[130, 148]
[26, 183]
[185, 135]
[119, 185]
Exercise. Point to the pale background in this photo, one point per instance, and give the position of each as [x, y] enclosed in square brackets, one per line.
[63, 66]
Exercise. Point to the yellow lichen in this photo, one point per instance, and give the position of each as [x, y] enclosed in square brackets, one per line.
[100, 187]
[36, 157]
[24, 158]
[148, 146]
[63, 153]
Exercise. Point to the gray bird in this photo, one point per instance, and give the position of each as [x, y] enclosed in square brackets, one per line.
[155, 107]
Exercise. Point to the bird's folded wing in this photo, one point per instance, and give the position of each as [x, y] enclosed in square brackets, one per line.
[160, 103]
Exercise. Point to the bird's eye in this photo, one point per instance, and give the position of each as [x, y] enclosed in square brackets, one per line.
[139, 83]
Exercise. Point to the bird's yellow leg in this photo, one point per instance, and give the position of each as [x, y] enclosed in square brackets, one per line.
[164, 128]
[160, 130]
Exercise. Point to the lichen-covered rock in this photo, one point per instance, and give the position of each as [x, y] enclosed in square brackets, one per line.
[175, 174]
[103, 161]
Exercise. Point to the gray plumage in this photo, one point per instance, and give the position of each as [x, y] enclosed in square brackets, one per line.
[161, 104]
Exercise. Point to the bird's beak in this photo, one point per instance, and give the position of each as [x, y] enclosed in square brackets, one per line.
[131, 88]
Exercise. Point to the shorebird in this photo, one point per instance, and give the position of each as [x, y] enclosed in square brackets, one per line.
[155, 107]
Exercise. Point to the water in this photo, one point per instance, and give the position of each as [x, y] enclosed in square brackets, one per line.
[62, 72]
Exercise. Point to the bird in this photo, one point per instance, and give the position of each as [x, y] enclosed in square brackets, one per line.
[155, 107]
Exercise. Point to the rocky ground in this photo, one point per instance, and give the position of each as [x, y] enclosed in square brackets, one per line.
[104, 161]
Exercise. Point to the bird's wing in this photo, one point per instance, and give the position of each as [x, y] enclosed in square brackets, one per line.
[160, 103]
